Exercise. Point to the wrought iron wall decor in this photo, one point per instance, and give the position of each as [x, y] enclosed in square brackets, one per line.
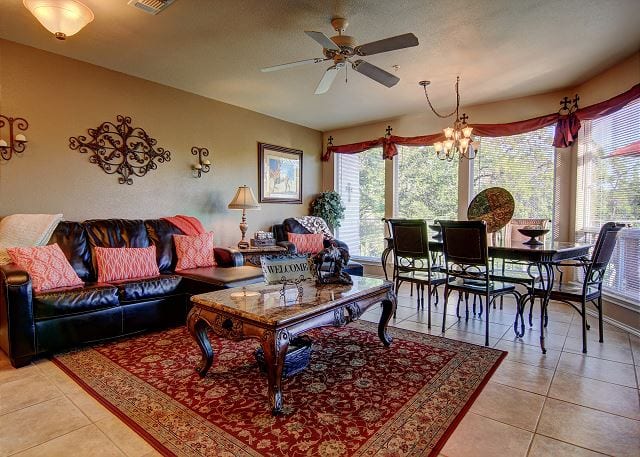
[568, 106]
[203, 166]
[17, 143]
[121, 149]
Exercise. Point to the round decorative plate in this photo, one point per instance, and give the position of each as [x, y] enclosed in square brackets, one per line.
[494, 205]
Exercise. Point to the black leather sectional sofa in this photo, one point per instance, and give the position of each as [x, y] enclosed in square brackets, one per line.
[33, 324]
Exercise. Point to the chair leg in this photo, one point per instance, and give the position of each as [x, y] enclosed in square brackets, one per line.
[446, 299]
[486, 323]
[417, 295]
[474, 305]
[600, 324]
[584, 326]
[428, 305]
[437, 295]
[481, 308]
[458, 305]
[411, 292]
[494, 302]
[421, 296]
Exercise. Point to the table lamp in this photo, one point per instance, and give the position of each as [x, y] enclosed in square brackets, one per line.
[244, 200]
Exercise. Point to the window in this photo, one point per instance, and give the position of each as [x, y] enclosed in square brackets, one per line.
[608, 183]
[360, 181]
[523, 164]
[427, 188]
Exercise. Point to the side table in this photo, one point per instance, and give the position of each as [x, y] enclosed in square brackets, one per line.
[252, 254]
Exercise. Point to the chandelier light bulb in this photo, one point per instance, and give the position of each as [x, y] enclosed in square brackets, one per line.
[448, 132]
[467, 131]
[63, 18]
[438, 146]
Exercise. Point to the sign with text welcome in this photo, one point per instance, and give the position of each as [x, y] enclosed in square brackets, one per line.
[285, 269]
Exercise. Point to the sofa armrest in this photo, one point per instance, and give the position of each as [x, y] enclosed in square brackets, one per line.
[288, 245]
[17, 327]
[227, 257]
[338, 243]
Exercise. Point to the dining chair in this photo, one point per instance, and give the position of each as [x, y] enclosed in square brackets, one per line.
[466, 254]
[590, 291]
[412, 259]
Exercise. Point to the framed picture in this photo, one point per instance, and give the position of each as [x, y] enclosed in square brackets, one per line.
[280, 174]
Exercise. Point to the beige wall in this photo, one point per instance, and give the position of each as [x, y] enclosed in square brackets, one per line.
[61, 97]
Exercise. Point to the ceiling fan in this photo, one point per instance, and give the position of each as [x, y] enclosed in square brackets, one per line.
[341, 49]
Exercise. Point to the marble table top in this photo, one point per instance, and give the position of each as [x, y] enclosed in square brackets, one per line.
[266, 303]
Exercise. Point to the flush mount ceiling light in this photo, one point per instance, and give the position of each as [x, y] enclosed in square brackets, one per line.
[63, 18]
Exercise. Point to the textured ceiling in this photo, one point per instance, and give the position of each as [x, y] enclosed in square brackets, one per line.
[500, 48]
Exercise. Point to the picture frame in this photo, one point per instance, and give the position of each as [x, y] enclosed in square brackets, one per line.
[279, 174]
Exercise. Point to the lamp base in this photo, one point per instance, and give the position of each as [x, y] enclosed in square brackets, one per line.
[243, 244]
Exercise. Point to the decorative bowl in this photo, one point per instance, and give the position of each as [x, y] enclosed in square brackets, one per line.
[533, 233]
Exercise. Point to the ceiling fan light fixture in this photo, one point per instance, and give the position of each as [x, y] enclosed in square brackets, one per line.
[63, 18]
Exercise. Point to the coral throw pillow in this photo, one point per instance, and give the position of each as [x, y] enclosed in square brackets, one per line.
[310, 243]
[47, 266]
[115, 264]
[194, 251]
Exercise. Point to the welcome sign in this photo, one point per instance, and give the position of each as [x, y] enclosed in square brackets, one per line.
[286, 269]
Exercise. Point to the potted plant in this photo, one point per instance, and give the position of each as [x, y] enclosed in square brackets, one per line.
[328, 206]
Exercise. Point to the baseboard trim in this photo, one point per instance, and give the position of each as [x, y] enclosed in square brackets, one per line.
[615, 323]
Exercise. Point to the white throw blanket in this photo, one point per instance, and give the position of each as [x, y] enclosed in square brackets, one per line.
[23, 230]
[315, 224]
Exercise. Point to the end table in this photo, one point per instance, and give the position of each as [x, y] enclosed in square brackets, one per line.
[252, 254]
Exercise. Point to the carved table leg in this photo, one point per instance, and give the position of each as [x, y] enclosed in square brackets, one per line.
[198, 329]
[388, 309]
[275, 347]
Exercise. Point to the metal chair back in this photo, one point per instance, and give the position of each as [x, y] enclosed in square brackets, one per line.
[602, 252]
[464, 243]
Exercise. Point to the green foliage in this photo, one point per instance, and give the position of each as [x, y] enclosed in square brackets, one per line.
[328, 205]
[524, 165]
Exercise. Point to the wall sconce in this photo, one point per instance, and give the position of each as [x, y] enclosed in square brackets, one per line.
[16, 143]
[203, 166]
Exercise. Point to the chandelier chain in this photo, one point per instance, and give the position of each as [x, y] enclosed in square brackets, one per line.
[455, 111]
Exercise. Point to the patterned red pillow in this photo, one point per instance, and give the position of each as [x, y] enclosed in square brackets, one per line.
[194, 251]
[115, 264]
[47, 266]
[310, 243]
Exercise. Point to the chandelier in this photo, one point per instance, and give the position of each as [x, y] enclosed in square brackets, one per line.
[457, 138]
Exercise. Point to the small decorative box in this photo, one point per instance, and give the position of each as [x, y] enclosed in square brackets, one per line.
[261, 243]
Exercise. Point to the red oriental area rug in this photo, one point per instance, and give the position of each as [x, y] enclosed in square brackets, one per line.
[356, 398]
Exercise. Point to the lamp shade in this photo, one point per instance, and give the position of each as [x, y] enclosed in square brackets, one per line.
[63, 18]
[244, 199]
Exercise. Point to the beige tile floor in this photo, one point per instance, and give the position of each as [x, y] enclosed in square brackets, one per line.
[563, 403]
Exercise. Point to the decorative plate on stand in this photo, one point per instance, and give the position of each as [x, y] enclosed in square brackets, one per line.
[494, 205]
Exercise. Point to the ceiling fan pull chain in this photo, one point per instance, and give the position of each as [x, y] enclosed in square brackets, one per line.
[346, 74]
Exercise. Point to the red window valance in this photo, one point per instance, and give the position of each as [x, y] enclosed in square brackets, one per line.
[567, 127]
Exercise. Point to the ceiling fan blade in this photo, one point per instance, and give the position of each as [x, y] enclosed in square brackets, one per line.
[327, 79]
[298, 63]
[375, 73]
[388, 44]
[323, 40]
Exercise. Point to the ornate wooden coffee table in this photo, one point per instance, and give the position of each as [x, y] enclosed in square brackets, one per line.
[262, 312]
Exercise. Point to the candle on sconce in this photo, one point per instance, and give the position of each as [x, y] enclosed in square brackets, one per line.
[3, 144]
[21, 138]
[207, 162]
[198, 167]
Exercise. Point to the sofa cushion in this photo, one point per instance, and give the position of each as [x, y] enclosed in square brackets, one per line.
[72, 239]
[74, 300]
[47, 266]
[307, 243]
[115, 264]
[161, 233]
[145, 288]
[194, 251]
[225, 277]
[117, 233]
